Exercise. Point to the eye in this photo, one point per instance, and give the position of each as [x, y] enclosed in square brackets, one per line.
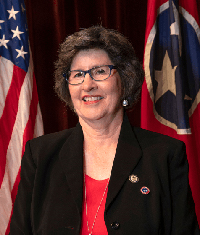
[77, 74]
[100, 71]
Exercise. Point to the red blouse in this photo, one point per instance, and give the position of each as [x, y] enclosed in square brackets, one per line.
[94, 194]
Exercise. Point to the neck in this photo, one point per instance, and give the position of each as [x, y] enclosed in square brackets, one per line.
[103, 129]
[100, 143]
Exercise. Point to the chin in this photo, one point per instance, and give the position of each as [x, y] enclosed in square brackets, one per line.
[92, 116]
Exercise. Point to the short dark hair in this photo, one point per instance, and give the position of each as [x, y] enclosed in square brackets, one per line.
[119, 50]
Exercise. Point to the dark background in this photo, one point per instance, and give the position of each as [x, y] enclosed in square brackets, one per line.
[50, 21]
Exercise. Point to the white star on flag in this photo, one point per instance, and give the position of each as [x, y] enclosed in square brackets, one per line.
[12, 13]
[21, 52]
[16, 33]
[1, 21]
[3, 42]
[165, 78]
[174, 28]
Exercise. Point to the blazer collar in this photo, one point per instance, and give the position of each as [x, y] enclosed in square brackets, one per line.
[71, 157]
[128, 154]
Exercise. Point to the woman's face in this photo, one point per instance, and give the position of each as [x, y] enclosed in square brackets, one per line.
[84, 96]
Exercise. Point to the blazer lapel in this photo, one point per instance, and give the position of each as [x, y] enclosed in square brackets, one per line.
[71, 157]
[127, 156]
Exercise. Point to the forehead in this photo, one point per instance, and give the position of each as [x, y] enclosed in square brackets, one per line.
[86, 59]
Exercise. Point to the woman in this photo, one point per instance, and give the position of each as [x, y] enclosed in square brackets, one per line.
[103, 176]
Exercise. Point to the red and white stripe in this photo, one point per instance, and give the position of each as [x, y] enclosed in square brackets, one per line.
[20, 121]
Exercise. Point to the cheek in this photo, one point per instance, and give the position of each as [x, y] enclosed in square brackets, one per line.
[73, 90]
[73, 93]
[117, 89]
[114, 95]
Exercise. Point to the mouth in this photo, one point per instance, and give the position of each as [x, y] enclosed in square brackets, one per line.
[92, 98]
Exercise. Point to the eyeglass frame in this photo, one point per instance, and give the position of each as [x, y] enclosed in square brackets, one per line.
[89, 72]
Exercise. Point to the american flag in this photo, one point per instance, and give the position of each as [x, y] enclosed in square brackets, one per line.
[171, 92]
[20, 115]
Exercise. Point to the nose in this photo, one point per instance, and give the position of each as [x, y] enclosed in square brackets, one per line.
[89, 84]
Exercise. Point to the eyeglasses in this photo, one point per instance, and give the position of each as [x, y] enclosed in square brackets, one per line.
[98, 73]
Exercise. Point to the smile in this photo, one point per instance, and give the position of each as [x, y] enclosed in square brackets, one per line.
[92, 98]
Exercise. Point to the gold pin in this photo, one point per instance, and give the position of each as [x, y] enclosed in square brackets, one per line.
[133, 178]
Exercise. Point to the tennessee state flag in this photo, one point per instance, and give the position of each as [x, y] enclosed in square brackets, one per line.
[171, 91]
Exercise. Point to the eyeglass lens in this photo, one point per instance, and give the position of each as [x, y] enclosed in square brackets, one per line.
[97, 73]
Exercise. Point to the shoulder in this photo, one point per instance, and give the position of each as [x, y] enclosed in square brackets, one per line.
[151, 137]
[161, 153]
[149, 141]
[52, 139]
[49, 145]
[152, 140]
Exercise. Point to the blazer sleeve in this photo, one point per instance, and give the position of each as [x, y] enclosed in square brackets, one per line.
[184, 219]
[21, 218]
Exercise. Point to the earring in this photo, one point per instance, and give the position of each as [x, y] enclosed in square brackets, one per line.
[125, 103]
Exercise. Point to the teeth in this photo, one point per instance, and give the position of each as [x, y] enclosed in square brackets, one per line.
[92, 98]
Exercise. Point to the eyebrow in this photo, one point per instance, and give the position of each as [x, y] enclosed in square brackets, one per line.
[96, 66]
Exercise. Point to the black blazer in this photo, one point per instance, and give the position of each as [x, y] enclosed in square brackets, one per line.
[49, 199]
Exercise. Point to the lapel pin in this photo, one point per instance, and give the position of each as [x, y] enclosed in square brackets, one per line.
[133, 178]
[145, 190]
